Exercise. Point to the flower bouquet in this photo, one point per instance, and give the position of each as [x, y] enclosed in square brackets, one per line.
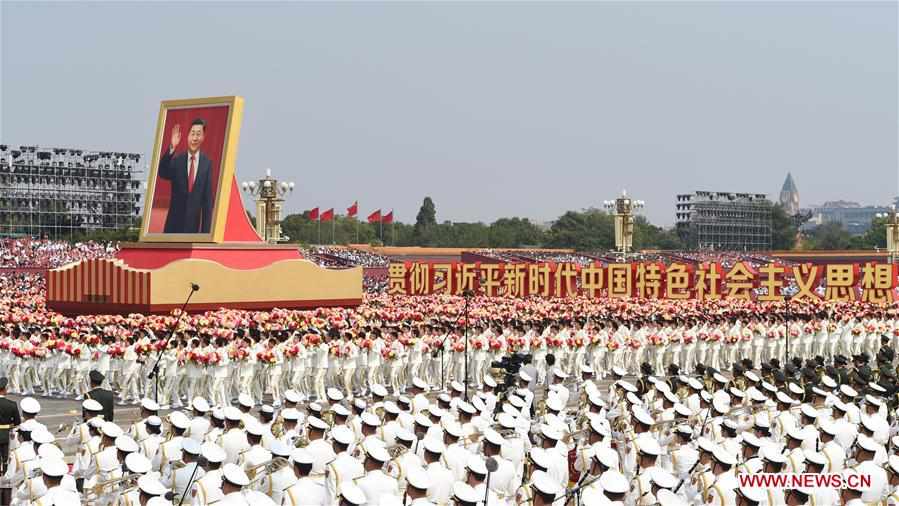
[266, 357]
[197, 357]
[116, 351]
[73, 351]
[238, 353]
[143, 348]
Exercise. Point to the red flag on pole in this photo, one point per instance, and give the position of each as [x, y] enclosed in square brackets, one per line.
[328, 215]
[313, 214]
[352, 210]
[375, 217]
[388, 218]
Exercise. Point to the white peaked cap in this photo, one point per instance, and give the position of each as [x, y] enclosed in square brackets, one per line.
[613, 481]
[234, 474]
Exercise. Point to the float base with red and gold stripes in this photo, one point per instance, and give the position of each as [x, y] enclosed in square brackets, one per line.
[256, 277]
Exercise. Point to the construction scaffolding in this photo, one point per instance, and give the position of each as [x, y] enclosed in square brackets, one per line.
[723, 221]
[60, 192]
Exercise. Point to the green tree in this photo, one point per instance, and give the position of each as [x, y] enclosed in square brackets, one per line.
[783, 229]
[514, 233]
[829, 236]
[874, 237]
[425, 222]
[591, 229]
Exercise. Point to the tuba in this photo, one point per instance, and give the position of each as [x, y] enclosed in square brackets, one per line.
[278, 427]
[301, 441]
[328, 418]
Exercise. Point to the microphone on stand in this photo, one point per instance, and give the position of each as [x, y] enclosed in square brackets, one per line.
[154, 374]
[492, 466]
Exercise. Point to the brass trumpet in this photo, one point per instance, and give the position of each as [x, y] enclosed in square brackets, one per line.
[473, 438]
[396, 451]
[65, 427]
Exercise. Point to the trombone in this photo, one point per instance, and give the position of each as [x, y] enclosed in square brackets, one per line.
[271, 466]
[106, 486]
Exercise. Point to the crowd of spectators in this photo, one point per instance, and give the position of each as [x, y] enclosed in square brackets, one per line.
[727, 259]
[30, 253]
[358, 257]
[568, 258]
[338, 257]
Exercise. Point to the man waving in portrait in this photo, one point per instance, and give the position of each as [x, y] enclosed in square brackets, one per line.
[190, 173]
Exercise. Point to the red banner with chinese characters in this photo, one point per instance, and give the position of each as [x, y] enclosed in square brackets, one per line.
[870, 282]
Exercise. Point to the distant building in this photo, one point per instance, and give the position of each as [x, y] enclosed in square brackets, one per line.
[789, 196]
[724, 221]
[61, 192]
[851, 215]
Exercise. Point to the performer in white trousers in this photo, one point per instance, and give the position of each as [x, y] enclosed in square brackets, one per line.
[375, 360]
[319, 369]
[220, 375]
[350, 357]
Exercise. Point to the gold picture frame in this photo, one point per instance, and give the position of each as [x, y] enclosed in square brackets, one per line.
[222, 192]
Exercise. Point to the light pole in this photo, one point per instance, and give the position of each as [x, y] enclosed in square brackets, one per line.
[269, 194]
[622, 210]
[892, 229]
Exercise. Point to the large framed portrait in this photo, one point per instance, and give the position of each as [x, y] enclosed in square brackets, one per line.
[192, 168]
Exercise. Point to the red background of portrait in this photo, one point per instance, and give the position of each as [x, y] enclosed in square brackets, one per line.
[213, 147]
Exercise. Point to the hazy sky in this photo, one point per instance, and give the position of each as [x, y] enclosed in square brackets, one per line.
[492, 109]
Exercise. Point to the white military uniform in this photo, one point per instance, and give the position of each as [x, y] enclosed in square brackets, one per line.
[306, 492]
[376, 484]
